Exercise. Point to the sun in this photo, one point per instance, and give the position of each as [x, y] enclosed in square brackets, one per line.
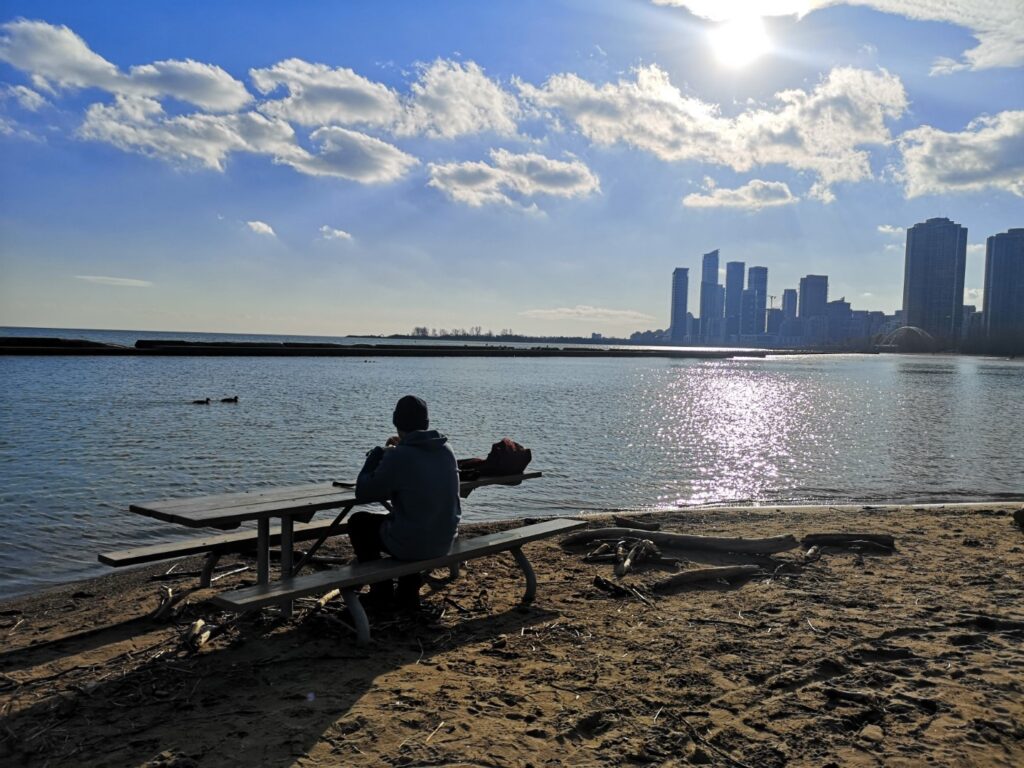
[739, 41]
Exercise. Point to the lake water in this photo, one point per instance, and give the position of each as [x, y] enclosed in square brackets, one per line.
[82, 437]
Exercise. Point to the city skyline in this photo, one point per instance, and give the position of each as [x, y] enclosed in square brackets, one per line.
[743, 311]
[367, 168]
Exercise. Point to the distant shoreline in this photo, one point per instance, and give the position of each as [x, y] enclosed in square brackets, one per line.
[29, 345]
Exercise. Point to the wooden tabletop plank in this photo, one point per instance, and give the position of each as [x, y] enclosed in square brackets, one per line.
[228, 510]
[238, 498]
[232, 516]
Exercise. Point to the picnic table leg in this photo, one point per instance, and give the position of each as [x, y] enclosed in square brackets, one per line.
[263, 551]
[286, 558]
[207, 575]
[527, 569]
[355, 608]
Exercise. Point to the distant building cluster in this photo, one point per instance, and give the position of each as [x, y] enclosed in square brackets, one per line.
[933, 316]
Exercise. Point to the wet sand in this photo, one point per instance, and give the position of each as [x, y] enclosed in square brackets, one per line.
[859, 658]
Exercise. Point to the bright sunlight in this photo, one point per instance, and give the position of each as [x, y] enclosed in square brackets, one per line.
[739, 41]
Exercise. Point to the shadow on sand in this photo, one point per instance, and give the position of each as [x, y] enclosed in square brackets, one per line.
[263, 694]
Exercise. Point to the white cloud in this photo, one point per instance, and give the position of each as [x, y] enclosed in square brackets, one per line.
[56, 57]
[330, 233]
[589, 314]
[354, 156]
[320, 95]
[261, 228]
[453, 99]
[820, 131]
[753, 195]
[976, 249]
[893, 247]
[26, 97]
[13, 129]
[998, 25]
[123, 282]
[141, 125]
[448, 99]
[510, 176]
[974, 296]
[204, 85]
[889, 229]
[988, 154]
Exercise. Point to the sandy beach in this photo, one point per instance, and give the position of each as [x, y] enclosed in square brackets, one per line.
[861, 657]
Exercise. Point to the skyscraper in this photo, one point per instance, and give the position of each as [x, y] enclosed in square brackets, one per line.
[757, 280]
[789, 304]
[933, 277]
[709, 301]
[678, 325]
[813, 296]
[748, 312]
[1003, 306]
[733, 294]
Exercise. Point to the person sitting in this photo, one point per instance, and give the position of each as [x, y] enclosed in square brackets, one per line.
[417, 473]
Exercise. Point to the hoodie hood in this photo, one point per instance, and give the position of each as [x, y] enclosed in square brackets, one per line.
[425, 439]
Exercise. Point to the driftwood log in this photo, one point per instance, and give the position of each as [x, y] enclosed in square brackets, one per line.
[683, 541]
[632, 522]
[845, 539]
[704, 574]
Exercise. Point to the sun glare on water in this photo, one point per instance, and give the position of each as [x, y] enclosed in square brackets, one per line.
[739, 41]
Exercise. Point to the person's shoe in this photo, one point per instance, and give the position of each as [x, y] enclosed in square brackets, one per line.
[378, 601]
[407, 596]
[407, 602]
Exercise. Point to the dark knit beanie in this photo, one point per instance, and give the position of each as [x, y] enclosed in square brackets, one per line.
[410, 414]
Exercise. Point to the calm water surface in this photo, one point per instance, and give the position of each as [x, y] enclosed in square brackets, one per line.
[81, 437]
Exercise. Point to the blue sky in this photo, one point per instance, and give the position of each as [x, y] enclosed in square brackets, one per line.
[334, 168]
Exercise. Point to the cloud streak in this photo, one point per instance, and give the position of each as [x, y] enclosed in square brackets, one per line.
[584, 312]
[121, 282]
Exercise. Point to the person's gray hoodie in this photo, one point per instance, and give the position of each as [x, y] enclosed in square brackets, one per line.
[420, 478]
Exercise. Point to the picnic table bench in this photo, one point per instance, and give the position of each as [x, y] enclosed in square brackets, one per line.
[349, 578]
[214, 546]
[295, 506]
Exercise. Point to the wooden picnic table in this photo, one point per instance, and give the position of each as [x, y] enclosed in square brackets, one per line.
[289, 504]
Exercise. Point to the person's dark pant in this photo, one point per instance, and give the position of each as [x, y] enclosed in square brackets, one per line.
[364, 533]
